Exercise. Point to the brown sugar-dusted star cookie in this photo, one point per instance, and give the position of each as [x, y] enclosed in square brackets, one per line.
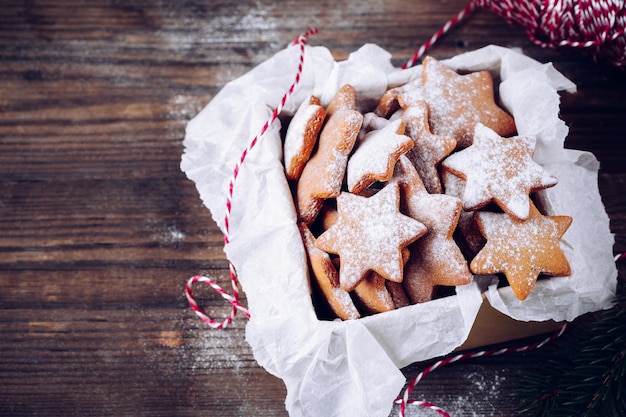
[301, 136]
[397, 293]
[429, 149]
[435, 258]
[344, 99]
[400, 97]
[323, 174]
[369, 235]
[522, 249]
[375, 155]
[467, 227]
[327, 279]
[499, 170]
[388, 103]
[371, 121]
[326, 218]
[372, 296]
[457, 102]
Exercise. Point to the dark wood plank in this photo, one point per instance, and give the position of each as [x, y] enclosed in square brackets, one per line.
[99, 229]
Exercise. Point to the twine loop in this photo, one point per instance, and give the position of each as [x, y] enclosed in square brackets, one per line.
[232, 299]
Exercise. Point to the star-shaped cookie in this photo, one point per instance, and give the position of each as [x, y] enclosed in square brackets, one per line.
[369, 235]
[375, 155]
[429, 149]
[435, 258]
[301, 136]
[499, 170]
[372, 296]
[388, 103]
[522, 250]
[344, 99]
[323, 174]
[457, 102]
[327, 278]
[466, 228]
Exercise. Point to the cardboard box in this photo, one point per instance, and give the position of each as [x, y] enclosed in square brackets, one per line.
[491, 327]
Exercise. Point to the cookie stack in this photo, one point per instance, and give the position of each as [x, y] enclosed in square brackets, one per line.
[399, 204]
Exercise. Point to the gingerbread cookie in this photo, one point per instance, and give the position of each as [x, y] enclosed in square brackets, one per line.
[375, 156]
[522, 250]
[372, 296]
[301, 136]
[344, 99]
[499, 170]
[458, 102]
[429, 149]
[376, 295]
[327, 279]
[466, 228]
[388, 103]
[323, 174]
[397, 293]
[326, 218]
[371, 121]
[399, 97]
[435, 258]
[369, 235]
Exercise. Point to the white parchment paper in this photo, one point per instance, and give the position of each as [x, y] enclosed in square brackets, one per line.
[351, 368]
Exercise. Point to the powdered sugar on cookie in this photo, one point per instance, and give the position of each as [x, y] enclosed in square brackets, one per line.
[390, 197]
[301, 136]
[429, 149]
[522, 249]
[375, 155]
[369, 236]
[457, 102]
[323, 174]
[499, 170]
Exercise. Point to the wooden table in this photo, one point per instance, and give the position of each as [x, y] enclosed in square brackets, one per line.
[99, 228]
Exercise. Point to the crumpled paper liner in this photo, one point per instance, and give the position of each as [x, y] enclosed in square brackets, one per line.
[351, 368]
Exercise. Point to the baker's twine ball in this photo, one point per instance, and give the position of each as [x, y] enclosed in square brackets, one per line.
[596, 26]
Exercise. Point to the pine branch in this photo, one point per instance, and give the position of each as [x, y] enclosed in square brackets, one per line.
[586, 377]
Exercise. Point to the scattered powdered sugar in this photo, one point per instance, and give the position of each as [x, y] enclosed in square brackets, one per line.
[184, 107]
[175, 235]
[479, 387]
[483, 387]
[233, 23]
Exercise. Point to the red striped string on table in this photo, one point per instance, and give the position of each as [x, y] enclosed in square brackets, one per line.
[404, 400]
[233, 299]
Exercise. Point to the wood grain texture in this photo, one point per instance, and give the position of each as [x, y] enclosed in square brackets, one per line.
[99, 229]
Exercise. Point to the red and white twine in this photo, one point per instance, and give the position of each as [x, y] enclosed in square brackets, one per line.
[233, 299]
[405, 400]
[597, 26]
